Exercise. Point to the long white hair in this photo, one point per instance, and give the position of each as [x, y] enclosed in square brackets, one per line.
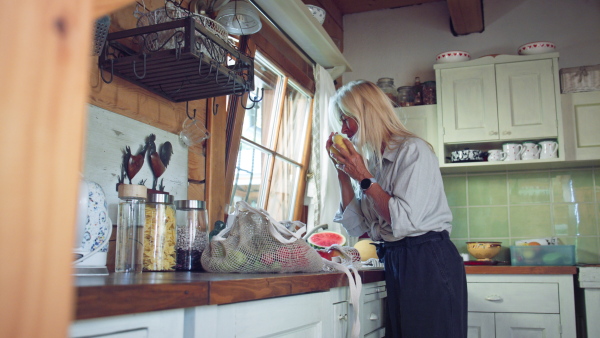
[371, 108]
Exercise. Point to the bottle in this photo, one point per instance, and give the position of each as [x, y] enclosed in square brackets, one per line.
[130, 228]
[192, 234]
[418, 89]
[159, 233]
[429, 93]
[387, 85]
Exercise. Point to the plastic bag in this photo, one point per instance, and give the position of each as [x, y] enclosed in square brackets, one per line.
[255, 242]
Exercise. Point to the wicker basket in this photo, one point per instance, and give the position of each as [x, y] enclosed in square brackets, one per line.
[580, 79]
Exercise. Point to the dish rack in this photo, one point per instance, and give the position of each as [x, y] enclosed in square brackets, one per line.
[181, 60]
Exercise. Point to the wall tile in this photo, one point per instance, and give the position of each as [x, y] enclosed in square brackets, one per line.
[531, 221]
[456, 190]
[529, 188]
[460, 225]
[572, 186]
[488, 222]
[561, 203]
[487, 190]
[575, 219]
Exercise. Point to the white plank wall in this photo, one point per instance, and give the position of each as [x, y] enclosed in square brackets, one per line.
[108, 134]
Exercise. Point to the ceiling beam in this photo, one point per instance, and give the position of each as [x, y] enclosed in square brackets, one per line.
[466, 16]
[353, 6]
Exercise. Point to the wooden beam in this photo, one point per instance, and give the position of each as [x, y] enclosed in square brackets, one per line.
[351, 7]
[466, 16]
[104, 7]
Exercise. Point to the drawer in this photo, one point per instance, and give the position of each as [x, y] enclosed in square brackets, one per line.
[373, 314]
[513, 297]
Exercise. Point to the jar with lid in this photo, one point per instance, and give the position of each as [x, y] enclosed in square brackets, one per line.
[192, 234]
[160, 233]
[406, 96]
[429, 92]
[130, 228]
[387, 85]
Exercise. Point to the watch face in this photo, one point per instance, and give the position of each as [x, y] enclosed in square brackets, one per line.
[365, 184]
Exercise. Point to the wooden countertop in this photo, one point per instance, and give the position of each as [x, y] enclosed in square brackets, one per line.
[118, 294]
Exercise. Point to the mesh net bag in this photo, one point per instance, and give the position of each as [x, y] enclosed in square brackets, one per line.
[255, 242]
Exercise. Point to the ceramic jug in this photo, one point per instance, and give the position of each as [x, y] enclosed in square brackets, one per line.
[513, 151]
[530, 151]
[549, 149]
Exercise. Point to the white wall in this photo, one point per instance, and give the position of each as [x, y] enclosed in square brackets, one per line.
[402, 43]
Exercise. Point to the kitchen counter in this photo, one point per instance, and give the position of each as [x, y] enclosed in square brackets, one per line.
[118, 294]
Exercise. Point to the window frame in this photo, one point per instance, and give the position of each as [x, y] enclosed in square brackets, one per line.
[285, 82]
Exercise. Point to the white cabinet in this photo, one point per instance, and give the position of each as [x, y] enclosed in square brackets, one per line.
[422, 121]
[489, 101]
[581, 115]
[159, 324]
[299, 316]
[372, 311]
[521, 306]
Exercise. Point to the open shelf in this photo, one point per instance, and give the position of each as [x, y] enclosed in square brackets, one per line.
[187, 71]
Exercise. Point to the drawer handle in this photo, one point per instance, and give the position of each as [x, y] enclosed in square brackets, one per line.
[344, 317]
[493, 132]
[493, 298]
[373, 317]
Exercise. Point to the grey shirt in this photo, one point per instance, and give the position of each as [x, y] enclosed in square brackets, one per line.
[411, 174]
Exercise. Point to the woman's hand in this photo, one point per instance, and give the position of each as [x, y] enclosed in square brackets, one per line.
[349, 160]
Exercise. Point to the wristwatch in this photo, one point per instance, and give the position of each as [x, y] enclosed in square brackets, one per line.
[366, 183]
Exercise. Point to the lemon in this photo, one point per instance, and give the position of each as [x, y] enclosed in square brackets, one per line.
[366, 249]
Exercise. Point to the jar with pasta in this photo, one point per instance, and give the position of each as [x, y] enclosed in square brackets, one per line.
[192, 234]
[159, 233]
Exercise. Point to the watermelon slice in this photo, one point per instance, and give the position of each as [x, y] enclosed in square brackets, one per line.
[324, 239]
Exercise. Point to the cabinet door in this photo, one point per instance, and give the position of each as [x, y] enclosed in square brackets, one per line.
[526, 100]
[468, 101]
[340, 320]
[481, 325]
[526, 325]
[168, 323]
[582, 122]
[422, 121]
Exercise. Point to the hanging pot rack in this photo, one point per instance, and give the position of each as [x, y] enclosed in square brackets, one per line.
[184, 73]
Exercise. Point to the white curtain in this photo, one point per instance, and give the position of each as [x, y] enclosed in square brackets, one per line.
[323, 188]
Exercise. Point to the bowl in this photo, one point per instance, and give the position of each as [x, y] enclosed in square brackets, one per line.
[453, 56]
[317, 12]
[484, 251]
[538, 47]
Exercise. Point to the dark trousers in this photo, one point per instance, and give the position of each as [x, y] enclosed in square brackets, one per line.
[426, 287]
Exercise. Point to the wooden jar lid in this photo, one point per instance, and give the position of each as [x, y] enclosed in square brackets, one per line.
[132, 191]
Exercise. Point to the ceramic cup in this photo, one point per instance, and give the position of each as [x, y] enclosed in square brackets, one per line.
[495, 155]
[530, 151]
[513, 151]
[549, 149]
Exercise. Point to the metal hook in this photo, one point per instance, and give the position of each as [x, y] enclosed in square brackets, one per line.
[261, 95]
[175, 92]
[112, 62]
[215, 107]
[187, 112]
[253, 104]
[134, 72]
[200, 64]
[209, 70]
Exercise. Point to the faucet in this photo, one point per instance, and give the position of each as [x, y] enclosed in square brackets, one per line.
[313, 230]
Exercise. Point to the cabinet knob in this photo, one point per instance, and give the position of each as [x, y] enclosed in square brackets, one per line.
[373, 317]
[344, 317]
[493, 132]
[493, 298]
[506, 132]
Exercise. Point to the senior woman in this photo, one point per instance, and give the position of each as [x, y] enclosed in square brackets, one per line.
[399, 201]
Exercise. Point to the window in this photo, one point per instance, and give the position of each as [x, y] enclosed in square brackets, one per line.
[272, 150]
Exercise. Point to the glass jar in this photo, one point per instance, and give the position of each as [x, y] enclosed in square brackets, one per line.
[160, 233]
[406, 96]
[387, 85]
[429, 92]
[418, 89]
[192, 234]
[130, 227]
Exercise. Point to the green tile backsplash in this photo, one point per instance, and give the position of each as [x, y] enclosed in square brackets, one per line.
[512, 206]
